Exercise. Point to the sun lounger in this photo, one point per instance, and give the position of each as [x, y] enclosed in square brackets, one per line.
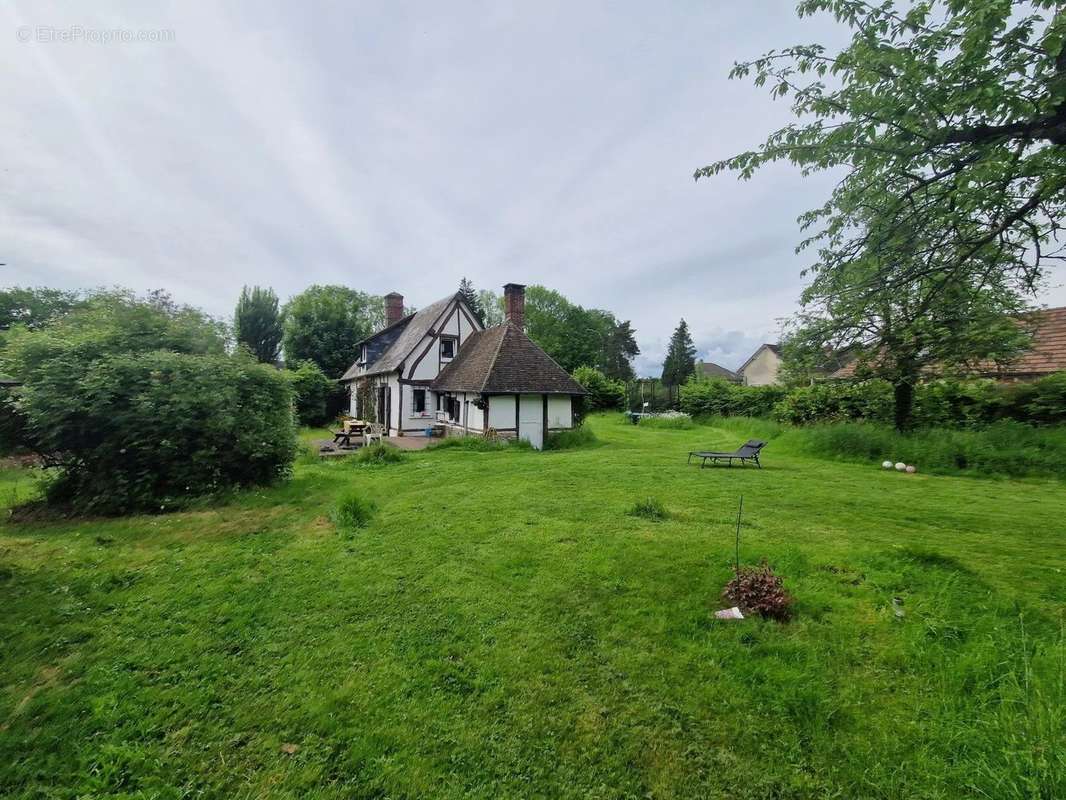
[749, 451]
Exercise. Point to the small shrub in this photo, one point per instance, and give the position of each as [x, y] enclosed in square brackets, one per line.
[380, 453]
[352, 512]
[575, 437]
[649, 508]
[757, 590]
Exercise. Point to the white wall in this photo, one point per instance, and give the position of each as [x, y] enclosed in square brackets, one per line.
[762, 370]
[501, 411]
[559, 411]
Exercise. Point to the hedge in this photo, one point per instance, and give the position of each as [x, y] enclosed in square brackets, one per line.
[943, 403]
[701, 398]
[149, 431]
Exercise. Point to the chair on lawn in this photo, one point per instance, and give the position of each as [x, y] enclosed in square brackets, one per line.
[373, 432]
[749, 451]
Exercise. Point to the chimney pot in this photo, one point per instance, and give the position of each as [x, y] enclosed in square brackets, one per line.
[393, 307]
[514, 296]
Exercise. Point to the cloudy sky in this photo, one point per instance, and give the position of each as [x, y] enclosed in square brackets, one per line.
[400, 146]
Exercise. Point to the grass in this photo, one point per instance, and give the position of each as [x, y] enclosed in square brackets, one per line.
[379, 454]
[353, 511]
[1004, 448]
[503, 628]
[649, 508]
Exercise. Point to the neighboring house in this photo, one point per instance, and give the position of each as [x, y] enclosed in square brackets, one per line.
[762, 368]
[1046, 355]
[708, 369]
[439, 364]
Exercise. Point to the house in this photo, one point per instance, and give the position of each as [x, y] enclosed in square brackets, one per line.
[762, 367]
[712, 371]
[440, 365]
[1046, 354]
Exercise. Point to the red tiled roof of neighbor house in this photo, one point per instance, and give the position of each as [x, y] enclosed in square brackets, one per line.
[1047, 354]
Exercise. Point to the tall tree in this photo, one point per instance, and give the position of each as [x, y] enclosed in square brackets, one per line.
[905, 333]
[579, 337]
[257, 323]
[948, 120]
[472, 298]
[323, 323]
[491, 307]
[619, 350]
[680, 361]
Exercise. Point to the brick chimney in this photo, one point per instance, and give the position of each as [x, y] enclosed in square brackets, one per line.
[393, 308]
[514, 299]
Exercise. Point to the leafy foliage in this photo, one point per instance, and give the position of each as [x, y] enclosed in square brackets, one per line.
[757, 590]
[35, 307]
[955, 113]
[110, 323]
[715, 397]
[491, 306]
[136, 402]
[579, 337]
[152, 430]
[604, 393]
[680, 362]
[949, 120]
[257, 323]
[940, 403]
[323, 324]
[313, 391]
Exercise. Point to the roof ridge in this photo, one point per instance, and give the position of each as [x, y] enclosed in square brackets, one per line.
[495, 355]
[556, 363]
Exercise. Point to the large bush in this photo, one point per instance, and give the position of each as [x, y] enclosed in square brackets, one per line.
[603, 393]
[313, 390]
[702, 398]
[149, 431]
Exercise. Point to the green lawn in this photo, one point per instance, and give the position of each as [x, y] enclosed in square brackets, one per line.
[503, 628]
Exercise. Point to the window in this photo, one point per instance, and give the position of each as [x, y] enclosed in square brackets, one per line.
[420, 400]
[447, 348]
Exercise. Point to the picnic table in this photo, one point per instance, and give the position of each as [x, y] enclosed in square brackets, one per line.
[350, 429]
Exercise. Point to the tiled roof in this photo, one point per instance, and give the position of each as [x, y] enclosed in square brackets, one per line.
[711, 370]
[503, 360]
[416, 326]
[1047, 353]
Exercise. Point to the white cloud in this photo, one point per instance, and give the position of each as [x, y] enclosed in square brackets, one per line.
[400, 147]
